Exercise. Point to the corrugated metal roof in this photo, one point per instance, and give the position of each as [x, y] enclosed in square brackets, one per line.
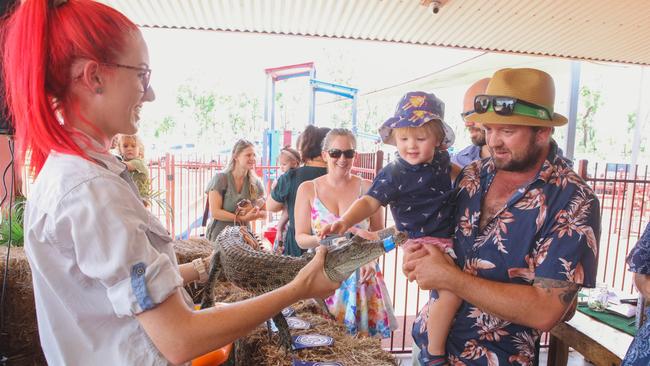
[603, 30]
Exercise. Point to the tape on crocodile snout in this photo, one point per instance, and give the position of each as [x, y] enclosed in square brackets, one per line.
[389, 244]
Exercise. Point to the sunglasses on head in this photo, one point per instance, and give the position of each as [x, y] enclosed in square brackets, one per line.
[465, 114]
[336, 153]
[507, 106]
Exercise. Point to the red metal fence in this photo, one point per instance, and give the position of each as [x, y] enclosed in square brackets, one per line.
[624, 194]
[182, 180]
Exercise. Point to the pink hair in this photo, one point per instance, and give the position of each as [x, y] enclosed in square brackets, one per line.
[40, 41]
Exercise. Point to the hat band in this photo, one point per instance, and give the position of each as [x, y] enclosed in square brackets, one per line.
[523, 110]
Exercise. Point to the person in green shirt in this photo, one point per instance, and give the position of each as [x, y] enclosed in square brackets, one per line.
[132, 153]
[237, 183]
[284, 193]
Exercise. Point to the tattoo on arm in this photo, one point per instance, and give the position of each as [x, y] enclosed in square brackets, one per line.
[569, 289]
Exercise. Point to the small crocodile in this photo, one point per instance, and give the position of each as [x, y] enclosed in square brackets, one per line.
[237, 260]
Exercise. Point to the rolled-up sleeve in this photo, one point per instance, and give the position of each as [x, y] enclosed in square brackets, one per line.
[110, 237]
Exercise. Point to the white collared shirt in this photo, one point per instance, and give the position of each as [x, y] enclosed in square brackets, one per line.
[98, 258]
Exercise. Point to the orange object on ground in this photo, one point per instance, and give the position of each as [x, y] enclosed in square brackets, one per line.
[214, 358]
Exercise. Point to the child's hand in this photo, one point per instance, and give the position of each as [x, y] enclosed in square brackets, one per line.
[129, 166]
[338, 227]
[364, 233]
[366, 272]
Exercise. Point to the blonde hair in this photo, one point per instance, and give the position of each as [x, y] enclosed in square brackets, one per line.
[138, 143]
[240, 146]
[433, 127]
[336, 132]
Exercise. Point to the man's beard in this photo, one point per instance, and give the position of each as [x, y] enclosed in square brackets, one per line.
[478, 140]
[520, 163]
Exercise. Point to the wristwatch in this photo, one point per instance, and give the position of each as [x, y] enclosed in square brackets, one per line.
[199, 266]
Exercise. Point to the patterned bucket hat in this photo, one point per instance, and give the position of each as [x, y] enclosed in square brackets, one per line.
[414, 110]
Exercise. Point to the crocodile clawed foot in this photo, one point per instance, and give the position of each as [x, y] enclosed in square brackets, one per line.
[283, 331]
[326, 312]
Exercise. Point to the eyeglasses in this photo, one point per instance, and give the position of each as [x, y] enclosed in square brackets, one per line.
[507, 106]
[465, 114]
[145, 75]
[336, 153]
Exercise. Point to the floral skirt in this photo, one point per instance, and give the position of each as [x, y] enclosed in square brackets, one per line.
[364, 308]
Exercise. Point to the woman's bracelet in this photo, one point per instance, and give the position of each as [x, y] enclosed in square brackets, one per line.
[200, 268]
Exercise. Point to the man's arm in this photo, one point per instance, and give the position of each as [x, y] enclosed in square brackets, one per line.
[540, 306]
[568, 294]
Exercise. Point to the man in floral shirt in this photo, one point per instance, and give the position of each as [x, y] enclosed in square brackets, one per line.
[527, 230]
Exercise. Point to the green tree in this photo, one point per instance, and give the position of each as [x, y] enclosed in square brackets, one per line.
[211, 120]
[164, 127]
[590, 101]
[200, 105]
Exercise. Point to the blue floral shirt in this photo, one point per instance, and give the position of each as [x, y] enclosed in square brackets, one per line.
[639, 258]
[639, 262]
[420, 196]
[548, 229]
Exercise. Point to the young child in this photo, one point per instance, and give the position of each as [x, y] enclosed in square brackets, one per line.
[418, 187]
[132, 152]
[289, 159]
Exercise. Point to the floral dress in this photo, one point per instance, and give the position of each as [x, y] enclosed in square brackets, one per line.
[639, 262]
[364, 308]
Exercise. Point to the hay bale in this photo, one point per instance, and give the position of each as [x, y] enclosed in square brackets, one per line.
[192, 248]
[347, 349]
[22, 344]
[187, 251]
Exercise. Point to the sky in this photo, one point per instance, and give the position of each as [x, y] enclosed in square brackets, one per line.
[234, 63]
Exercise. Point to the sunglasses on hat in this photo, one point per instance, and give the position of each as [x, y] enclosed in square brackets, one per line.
[507, 106]
[336, 153]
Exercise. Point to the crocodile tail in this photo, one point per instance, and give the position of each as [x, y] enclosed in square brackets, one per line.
[214, 275]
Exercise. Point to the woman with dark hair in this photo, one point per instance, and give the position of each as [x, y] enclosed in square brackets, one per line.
[284, 193]
[235, 184]
[107, 287]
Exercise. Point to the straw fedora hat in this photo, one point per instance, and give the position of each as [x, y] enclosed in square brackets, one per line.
[533, 86]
